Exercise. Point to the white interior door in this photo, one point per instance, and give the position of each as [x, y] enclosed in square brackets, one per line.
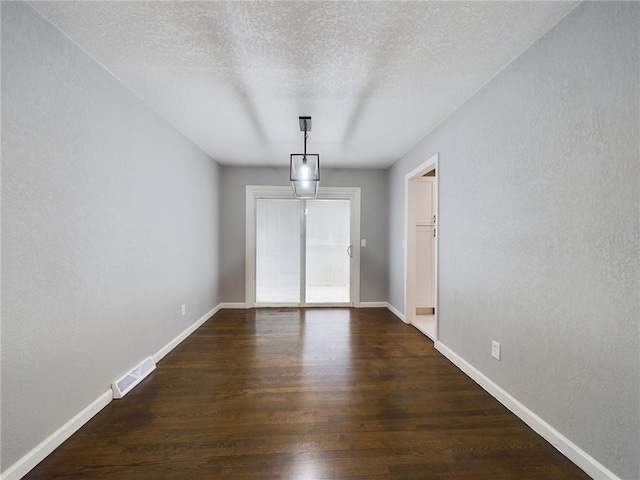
[425, 266]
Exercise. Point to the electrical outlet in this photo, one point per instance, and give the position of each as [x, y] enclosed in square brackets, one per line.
[184, 310]
[363, 242]
[495, 349]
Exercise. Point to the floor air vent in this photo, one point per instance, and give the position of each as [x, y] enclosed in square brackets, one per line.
[125, 383]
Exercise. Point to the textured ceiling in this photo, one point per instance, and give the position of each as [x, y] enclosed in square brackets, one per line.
[234, 76]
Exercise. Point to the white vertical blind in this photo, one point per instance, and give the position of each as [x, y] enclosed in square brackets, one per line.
[277, 251]
[327, 260]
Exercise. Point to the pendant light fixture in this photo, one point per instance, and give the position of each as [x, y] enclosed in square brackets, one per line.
[304, 169]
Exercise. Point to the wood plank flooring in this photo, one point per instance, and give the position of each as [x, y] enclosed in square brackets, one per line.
[306, 394]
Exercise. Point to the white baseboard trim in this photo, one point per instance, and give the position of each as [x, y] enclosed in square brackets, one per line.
[160, 354]
[232, 305]
[569, 449]
[53, 441]
[39, 453]
[396, 312]
[373, 305]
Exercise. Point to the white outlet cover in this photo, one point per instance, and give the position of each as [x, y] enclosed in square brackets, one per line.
[495, 349]
[363, 242]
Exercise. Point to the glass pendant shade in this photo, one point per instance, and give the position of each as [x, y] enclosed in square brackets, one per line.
[305, 189]
[304, 173]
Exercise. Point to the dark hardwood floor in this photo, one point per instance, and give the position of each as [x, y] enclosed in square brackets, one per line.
[306, 394]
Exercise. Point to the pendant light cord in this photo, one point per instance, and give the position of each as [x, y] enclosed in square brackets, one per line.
[304, 158]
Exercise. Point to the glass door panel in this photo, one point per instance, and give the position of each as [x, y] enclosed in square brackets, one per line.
[327, 256]
[278, 251]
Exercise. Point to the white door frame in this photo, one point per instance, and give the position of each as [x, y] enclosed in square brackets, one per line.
[254, 192]
[409, 250]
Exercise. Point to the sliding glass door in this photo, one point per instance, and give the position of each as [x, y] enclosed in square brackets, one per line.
[327, 251]
[278, 270]
[303, 251]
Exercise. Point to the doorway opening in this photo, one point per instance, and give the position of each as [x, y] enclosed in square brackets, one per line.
[302, 252]
[421, 248]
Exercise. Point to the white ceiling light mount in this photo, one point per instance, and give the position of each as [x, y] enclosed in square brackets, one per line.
[304, 168]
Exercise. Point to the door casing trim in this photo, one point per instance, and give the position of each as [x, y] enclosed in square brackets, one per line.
[409, 255]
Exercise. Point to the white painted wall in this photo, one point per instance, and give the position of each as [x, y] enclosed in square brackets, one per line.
[109, 224]
[539, 230]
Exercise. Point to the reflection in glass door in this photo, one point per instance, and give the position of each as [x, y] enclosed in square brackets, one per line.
[327, 251]
[303, 252]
